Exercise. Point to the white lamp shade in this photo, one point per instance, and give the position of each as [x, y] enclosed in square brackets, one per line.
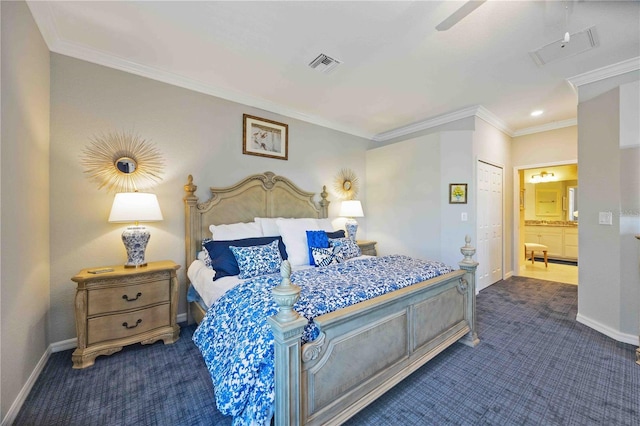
[351, 208]
[135, 207]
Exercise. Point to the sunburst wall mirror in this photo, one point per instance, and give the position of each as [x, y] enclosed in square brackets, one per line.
[122, 162]
[346, 184]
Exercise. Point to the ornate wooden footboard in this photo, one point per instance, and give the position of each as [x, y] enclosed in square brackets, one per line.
[366, 349]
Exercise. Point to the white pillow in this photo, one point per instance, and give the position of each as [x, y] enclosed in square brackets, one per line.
[325, 225]
[270, 226]
[294, 237]
[235, 231]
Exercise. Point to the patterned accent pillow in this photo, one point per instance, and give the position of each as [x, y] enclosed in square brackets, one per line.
[224, 262]
[327, 256]
[348, 248]
[257, 260]
[205, 253]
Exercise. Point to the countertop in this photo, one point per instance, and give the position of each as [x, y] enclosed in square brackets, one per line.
[561, 223]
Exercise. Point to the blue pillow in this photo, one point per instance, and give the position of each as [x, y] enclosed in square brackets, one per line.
[316, 239]
[224, 262]
[336, 234]
[257, 260]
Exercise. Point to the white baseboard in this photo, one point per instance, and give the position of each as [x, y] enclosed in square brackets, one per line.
[608, 331]
[508, 275]
[63, 345]
[24, 392]
[60, 346]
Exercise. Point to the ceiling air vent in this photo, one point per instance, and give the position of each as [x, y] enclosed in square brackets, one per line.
[560, 49]
[324, 63]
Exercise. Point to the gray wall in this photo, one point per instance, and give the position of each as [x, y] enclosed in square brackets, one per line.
[408, 186]
[24, 260]
[403, 197]
[552, 146]
[197, 134]
[609, 295]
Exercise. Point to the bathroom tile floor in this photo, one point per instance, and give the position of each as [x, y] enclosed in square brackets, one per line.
[567, 274]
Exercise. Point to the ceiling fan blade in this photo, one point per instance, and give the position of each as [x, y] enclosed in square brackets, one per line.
[459, 14]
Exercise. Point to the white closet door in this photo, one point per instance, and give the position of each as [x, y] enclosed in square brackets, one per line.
[489, 246]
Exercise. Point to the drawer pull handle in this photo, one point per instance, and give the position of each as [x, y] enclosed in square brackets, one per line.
[125, 297]
[124, 324]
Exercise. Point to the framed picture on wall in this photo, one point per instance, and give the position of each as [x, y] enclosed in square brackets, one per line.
[457, 193]
[265, 138]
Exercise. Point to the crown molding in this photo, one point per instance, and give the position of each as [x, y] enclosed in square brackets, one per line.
[426, 124]
[493, 119]
[474, 111]
[43, 13]
[546, 127]
[613, 70]
[111, 61]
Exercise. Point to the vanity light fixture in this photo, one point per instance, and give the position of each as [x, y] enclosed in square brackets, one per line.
[542, 177]
[135, 207]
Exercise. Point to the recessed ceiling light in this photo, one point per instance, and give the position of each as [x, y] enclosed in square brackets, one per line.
[537, 113]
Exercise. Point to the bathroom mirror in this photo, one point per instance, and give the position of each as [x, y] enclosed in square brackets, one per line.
[572, 203]
[547, 202]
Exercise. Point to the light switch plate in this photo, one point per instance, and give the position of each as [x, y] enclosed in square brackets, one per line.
[463, 216]
[605, 218]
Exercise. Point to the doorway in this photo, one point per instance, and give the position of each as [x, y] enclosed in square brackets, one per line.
[547, 213]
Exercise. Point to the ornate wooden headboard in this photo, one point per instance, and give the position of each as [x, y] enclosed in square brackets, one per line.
[260, 195]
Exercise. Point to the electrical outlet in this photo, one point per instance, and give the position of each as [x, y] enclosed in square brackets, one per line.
[605, 218]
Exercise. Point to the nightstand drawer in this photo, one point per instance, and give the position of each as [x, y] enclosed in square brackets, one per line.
[127, 297]
[119, 326]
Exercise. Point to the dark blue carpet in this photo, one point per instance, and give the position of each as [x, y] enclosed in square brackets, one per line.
[535, 365]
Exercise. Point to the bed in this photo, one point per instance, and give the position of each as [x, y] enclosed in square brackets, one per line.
[358, 352]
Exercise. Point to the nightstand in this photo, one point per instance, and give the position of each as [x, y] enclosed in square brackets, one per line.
[124, 306]
[367, 247]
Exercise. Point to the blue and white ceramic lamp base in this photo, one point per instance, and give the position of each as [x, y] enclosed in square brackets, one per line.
[135, 239]
[351, 227]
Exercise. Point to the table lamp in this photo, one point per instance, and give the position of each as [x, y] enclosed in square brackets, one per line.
[351, 209]
[135, 207]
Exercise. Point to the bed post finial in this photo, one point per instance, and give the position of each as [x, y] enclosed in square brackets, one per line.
[324, 203]
[286, 295]
[467, 251]
[190, 188]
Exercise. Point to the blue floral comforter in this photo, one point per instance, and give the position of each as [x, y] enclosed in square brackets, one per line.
[236, 341]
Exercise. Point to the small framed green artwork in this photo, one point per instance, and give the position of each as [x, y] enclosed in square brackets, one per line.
[457, 193]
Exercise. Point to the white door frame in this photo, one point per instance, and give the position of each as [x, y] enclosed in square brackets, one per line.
[516, 205]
